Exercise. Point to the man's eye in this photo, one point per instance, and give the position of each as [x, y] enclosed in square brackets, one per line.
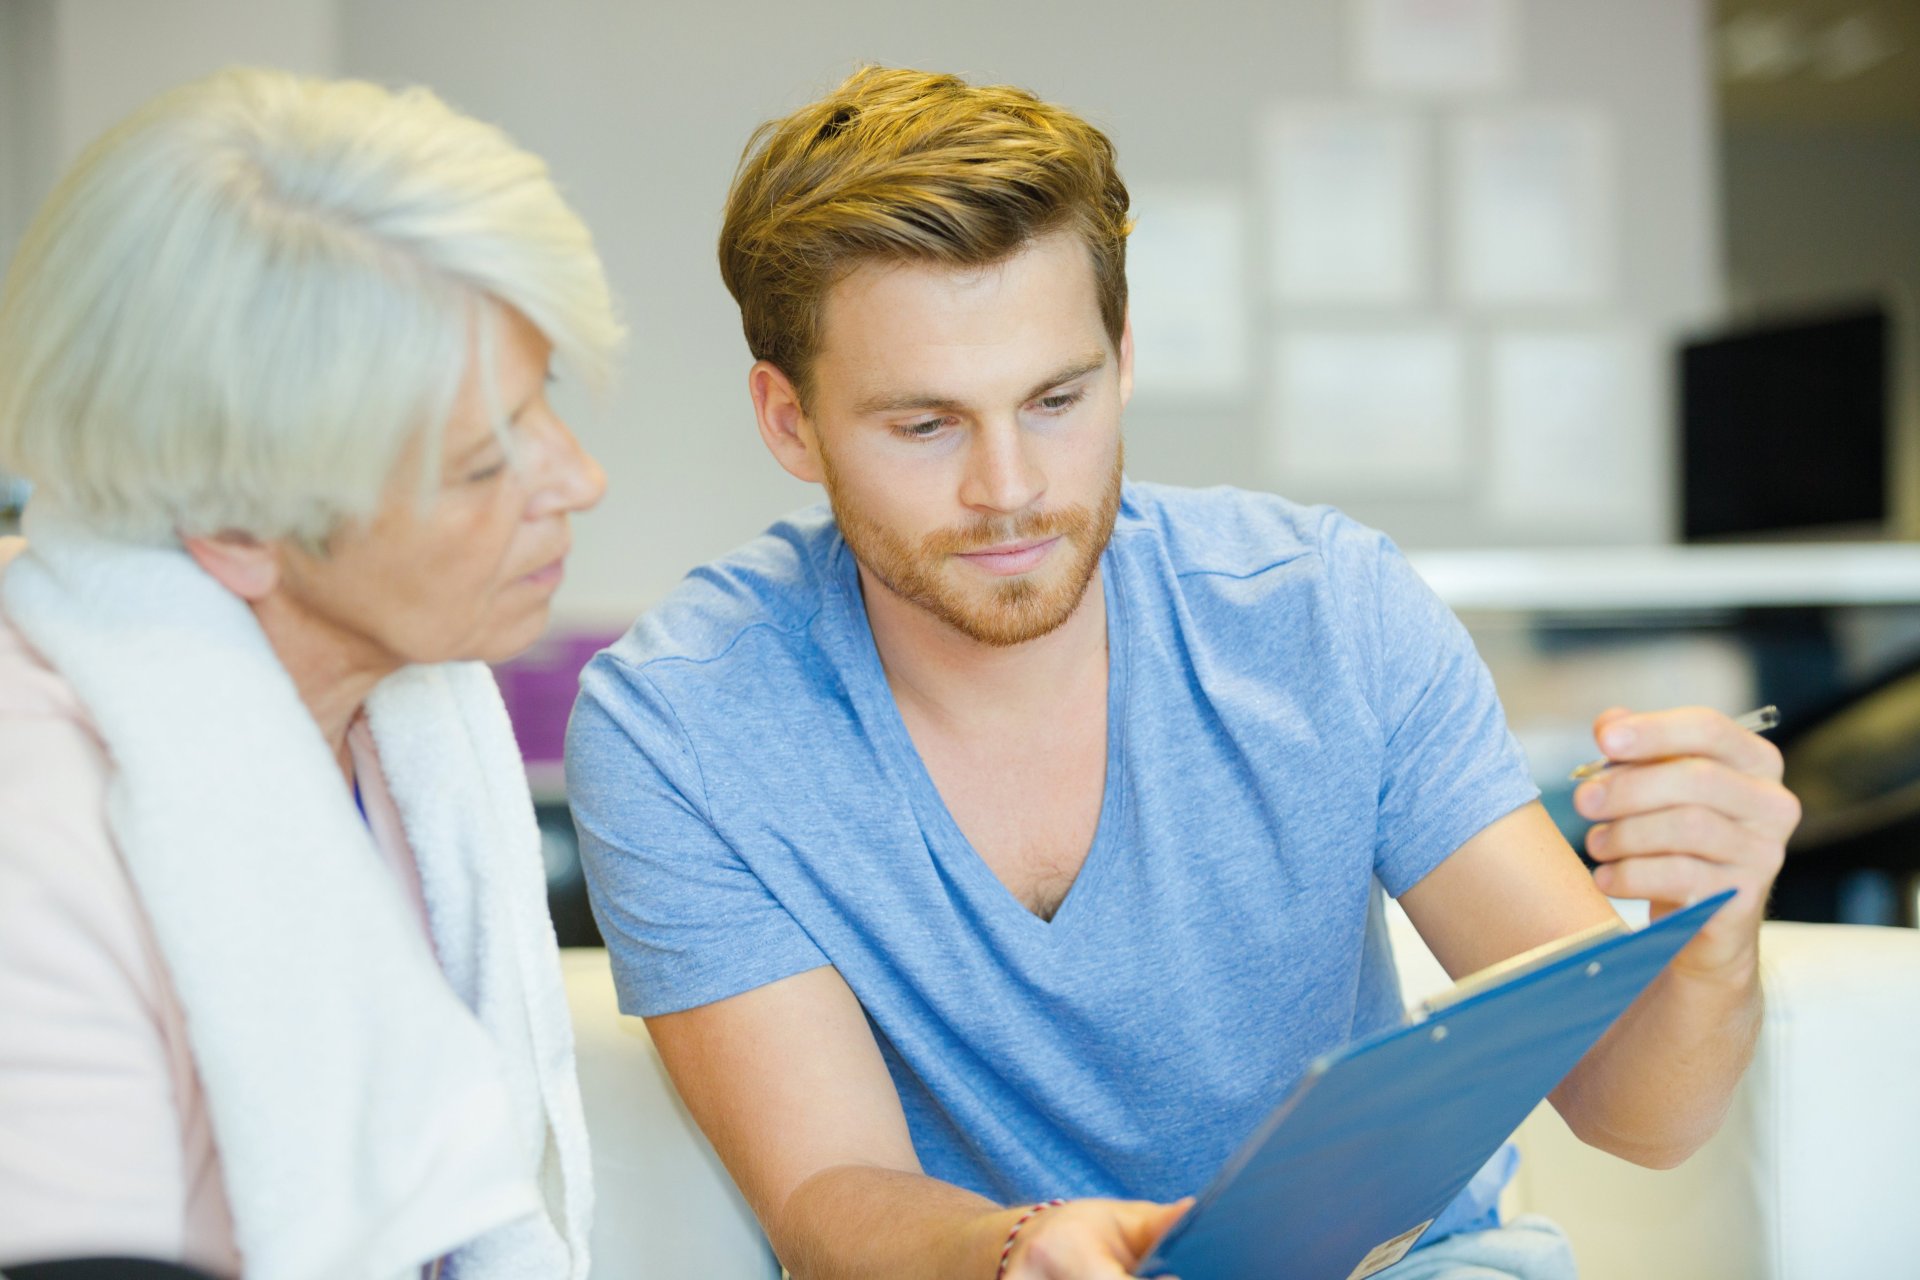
[924, 430]
[1061, 402]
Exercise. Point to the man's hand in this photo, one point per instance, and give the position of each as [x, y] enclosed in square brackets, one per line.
[1693, 806]
[1090, 1239]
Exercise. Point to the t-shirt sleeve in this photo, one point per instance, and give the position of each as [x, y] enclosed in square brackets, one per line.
[686, 921]
[1449, 764]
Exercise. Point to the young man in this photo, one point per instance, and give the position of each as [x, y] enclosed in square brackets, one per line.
[1008, 831]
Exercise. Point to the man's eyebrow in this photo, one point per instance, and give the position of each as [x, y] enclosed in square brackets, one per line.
[896, 404]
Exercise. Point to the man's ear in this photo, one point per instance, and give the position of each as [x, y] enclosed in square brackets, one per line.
[239, 562]
[783, 423]
[1126, 359]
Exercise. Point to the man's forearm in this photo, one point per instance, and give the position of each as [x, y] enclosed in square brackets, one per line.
[853, 1222]
[1657, 1085]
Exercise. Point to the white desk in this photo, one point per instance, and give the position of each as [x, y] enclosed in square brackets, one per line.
[1676, 577]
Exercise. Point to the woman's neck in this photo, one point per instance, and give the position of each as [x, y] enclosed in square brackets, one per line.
[331, 672]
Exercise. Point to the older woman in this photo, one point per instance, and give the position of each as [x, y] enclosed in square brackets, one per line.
[277, 984]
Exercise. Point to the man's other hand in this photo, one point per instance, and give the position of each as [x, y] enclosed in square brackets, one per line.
[1693, 805]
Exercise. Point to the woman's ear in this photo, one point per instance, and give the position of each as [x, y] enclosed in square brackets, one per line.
[238, 561]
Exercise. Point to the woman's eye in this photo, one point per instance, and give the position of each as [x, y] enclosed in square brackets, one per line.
[486, 473]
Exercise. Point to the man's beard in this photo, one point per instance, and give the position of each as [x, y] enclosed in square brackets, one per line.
[1013, 611]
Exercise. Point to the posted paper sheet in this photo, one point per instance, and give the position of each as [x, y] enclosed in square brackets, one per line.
[1370, 409]
[1435, 46]
[1187, 292]
[1347, 187]
[1574, 420]
[1533, 219]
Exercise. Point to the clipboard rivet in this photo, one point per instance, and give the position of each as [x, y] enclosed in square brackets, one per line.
[1593, 968]
[1439, 1033]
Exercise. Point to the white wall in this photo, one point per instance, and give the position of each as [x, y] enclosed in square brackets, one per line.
[109, 56]
[72, 68]
[642, 109]
[26, 131]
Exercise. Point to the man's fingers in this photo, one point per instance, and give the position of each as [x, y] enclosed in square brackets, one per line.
[1609, 716]
[1675, 878]
[1686, 731]
[1764, 805]
[1142, 1228]
[1689, 829]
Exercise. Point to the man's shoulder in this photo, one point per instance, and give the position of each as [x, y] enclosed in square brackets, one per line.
[777, 583]
[1231, 533]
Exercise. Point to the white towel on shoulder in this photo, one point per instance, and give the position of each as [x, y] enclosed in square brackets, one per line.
[374, 1108]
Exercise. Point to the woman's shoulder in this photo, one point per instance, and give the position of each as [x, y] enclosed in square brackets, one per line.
[29, 687]
[110, 1022]
[54, 776]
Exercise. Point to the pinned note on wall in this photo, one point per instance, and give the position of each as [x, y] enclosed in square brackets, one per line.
[1381, 408]
[1532, 208]
[1187, 291]
[1435, 46]
[1574, 425]
[1348, 195]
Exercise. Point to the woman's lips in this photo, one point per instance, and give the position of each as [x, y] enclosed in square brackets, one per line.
[1011, 558]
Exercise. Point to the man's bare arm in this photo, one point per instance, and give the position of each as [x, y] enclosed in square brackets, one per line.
[789, 1086]
[1702, 811]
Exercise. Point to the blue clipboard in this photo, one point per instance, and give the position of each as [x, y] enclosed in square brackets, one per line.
[1344, 1176]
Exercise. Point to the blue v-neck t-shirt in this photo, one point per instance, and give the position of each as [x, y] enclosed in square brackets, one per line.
[1295, 723]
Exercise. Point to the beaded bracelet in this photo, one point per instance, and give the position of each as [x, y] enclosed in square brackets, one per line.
[1006, 1250]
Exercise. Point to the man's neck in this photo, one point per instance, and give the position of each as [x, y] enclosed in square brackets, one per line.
[959, 681]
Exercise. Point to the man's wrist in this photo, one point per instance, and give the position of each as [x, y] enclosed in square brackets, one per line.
[1026, 1216]
[1732, 974]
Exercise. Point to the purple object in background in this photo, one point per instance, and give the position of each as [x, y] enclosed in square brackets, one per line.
[539, 688]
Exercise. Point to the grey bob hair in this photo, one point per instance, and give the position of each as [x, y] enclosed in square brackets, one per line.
[241, 304]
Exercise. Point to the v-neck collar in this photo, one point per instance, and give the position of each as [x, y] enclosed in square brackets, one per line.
[874, 702]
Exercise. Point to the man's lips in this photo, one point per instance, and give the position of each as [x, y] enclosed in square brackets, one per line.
[1009, 558]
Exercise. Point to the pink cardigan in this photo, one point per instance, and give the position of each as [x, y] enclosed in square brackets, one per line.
[105, 1144]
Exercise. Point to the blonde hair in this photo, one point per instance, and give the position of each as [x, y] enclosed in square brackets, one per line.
[908, 165]
[241, 303]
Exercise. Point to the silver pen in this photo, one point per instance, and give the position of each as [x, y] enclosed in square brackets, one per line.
[1759, 720]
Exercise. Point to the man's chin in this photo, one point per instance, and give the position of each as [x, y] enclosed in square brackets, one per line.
[1009, 613]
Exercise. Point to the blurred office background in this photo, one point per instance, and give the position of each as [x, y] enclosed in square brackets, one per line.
[1603, 308]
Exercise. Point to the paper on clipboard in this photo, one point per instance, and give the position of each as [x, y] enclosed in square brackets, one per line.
[1516, 966]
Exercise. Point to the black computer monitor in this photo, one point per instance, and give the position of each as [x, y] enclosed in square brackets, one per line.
[1785, 428]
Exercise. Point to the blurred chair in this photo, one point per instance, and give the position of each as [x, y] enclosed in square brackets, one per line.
[1818, 1163]
[666, 1208]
